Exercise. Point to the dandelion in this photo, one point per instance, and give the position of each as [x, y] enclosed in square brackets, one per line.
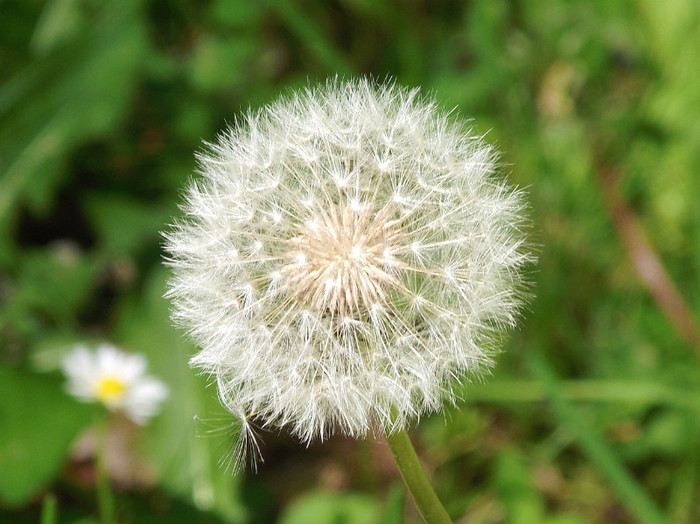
[347, 257]
[115, 379]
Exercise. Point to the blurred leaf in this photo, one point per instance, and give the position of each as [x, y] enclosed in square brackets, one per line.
[648, 393]
[236, 14]
[567, 519]
[190, 463]
[60, 20]
[665, 434]
[63, 100]
[58, 281]
[238, 53]
[125, 225]
[48, 351]
[49, 509]
[55, 282]
[322, 507]
[394, 505]
[38, 422]
[376, 9]
[596, 449]
[513, 483]
[159, 509]
[312, 36]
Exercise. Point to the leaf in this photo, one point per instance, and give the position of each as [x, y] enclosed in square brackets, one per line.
[124, 225]
[394, 504]
[158, 509]
[514, 485]
[70, 96]
[239, 53]
[187, 457]
[236, 14]
[598, 452]
[59, 21]
[312, 36]
[38, 423]
[56, 281]
[322, 507]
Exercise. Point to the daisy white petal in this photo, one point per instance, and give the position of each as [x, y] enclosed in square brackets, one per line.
[144, 399]
[115, 379]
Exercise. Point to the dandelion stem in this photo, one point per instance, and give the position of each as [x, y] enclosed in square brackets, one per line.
[429, 506]
[105, 499]
[49, 509]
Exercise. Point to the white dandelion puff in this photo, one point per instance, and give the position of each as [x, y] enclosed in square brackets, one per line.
[347, 256]
[115, 379]
[241, 433]
[246, 449]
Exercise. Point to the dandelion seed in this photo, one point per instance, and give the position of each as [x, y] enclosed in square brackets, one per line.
[388, 274]
[115, 379]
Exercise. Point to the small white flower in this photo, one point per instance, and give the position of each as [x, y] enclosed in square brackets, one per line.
[114, 378]
[347, 257]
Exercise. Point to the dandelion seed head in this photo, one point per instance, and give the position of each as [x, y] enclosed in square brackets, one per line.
[347, 255]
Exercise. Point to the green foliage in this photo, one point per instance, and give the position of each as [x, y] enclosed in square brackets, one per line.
[332, 508]
[48, 510]
[125, 226]
[77, 93]
[189, 457]
[38, 422]
[591, 415]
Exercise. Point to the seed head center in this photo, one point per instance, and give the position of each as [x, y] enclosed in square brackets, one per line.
[340, 263]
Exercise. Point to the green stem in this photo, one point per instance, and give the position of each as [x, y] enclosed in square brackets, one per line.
[105, 499]
[429, 506]
[48, 509]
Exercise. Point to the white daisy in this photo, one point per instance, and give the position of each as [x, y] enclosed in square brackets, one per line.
[116, 379]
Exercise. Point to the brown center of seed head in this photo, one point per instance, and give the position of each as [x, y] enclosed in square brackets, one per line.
[341, 262]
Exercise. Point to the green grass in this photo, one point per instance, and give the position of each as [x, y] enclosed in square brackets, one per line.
[591, 413]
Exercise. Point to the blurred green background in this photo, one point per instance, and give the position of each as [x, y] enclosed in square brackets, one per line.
[592, 412]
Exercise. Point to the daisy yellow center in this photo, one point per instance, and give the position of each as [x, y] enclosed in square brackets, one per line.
[109, 389]
[341, 262]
